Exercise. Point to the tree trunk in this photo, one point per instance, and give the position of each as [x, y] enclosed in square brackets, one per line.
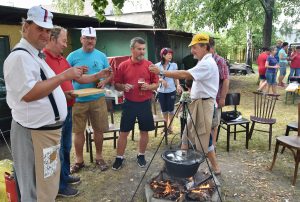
[159, 17]
[267, 31]
[249, 48]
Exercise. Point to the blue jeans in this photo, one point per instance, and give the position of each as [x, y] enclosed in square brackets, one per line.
[294, 72]
[65, 148]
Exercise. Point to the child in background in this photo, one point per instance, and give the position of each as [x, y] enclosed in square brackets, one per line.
[272, 66]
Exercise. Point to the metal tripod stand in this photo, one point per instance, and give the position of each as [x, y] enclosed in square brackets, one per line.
[186, 113]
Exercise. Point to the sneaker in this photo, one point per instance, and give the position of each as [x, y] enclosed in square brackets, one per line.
[73, 180]
[118, 164]
[68, 192]
[141, 160]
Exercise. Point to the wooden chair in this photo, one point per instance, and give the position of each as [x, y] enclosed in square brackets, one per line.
[293, 144]
[159, 121]
[264, 105]
[233, 99]
[113, 128]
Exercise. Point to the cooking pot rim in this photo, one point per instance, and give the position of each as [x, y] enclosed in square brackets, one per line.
[188, 162]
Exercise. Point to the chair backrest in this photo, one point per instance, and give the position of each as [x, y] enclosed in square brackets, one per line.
[233, 99]
[264, 105]
[154, 105]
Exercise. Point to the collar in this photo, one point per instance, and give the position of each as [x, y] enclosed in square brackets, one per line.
[206, 56]
[136, 63]
[29, 47]
[50, 54]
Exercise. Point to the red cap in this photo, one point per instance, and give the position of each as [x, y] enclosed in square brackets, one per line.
[165, 51]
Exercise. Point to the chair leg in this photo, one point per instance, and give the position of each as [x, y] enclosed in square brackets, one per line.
[86, 141]
[132, 134]
[287, 131]
[270, 136]
[155, 133]
[228, 137]
[234, 132]
[251, 130]
[247, 135]
[275, 154]
[219, 127]
[115, 139]
[91, 147]
[297, 159]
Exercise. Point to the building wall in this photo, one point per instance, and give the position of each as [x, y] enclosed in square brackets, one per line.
[14, 33]
[180, 48]
[112, 43]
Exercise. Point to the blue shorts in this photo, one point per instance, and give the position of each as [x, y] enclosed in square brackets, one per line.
[282, 68]
[167, 102]
[271, 78]
[262, 77]
[136, 110]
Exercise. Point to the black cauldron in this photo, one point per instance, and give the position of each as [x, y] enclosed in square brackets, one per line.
[182, 163]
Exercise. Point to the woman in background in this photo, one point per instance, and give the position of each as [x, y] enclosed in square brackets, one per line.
[167, 87]
[272, 66]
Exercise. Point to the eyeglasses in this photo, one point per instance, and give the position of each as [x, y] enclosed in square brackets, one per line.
[89, 38]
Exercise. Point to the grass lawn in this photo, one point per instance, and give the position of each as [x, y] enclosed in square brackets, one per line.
[245, 175]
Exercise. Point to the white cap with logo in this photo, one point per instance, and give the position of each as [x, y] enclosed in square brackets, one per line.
[88, 31]
[40, 16]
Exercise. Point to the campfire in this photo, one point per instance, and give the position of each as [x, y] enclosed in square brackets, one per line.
[198, 188]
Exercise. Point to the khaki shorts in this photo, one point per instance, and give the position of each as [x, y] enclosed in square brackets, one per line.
[217, 118]
[96, 111]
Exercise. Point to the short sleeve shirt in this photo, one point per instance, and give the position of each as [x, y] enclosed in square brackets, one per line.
[95, 61]
[129, 72]
[21, 73]
[272, 62]
[206, 78]
[171, 82]
[59, 64]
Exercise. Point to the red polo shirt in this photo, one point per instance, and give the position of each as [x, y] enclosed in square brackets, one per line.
[59, 64]
[129, 72]
[295, 63]
[261, 62]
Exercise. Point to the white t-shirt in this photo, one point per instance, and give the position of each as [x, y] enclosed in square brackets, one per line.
[206, 78]
[21, 73]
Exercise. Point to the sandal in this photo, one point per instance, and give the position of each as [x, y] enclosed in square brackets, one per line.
[77, 167]
[101, 164]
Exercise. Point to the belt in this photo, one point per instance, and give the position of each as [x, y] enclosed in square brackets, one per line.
[207, 98]
[54, 126]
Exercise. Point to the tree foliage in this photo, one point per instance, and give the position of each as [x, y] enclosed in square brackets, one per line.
[74, 7]
[220, 15]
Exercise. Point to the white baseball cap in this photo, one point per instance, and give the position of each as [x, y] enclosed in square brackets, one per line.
[88, 31]
[40, 16]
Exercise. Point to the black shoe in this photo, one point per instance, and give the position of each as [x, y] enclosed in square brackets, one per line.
[68, 192]
[118, 164]
[73, 180]
[141, 160]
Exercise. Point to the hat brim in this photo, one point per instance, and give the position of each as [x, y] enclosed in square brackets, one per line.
[46, 25]
[89, 35]
[195, 42]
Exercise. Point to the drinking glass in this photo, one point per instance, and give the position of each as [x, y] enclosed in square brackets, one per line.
[141, 81]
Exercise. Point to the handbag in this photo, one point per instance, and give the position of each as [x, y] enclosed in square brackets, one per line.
[230, 115]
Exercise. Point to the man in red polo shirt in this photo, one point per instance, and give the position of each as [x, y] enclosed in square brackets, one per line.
[53, 51]
[261, 62]
[134, 78]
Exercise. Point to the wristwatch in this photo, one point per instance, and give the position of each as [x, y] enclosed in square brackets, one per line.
[161, 73]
